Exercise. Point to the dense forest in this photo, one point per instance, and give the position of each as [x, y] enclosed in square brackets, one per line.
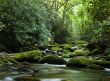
[71, 32]
[39, 22]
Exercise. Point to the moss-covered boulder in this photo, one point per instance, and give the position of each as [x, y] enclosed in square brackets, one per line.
[103, 63]
[94, 66]
[81, 62]
[30, 56]
[67, 47]
[52, 59]
[81, 52]
[55, 49]
[27, 78]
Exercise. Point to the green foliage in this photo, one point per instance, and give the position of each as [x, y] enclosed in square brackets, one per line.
[26, 19]
[34, 22]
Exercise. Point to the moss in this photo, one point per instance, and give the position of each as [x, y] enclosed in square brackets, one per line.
[94, 66]
[81, 42]
[81, 52]
[12, 60]
[28, 56]
[65, 56]
[103, 63]
[80, 62]
[66, 46]
[51, 59]
[27, 78]
[56, 48]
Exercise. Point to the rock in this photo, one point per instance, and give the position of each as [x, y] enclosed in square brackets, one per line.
[26, 78]
[94, 66]
[25, 67]
[28, 56]
[103, 63]
[52, 59]
[81, 62]
[74, 48]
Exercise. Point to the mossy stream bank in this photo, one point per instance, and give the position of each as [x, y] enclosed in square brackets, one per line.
[73, 57]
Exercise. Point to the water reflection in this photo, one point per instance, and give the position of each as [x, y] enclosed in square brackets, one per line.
[51, 80]
[57, 73]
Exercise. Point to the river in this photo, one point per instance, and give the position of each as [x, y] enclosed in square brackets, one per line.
[49, 72]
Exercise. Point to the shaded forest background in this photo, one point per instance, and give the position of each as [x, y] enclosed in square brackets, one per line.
[31, 23]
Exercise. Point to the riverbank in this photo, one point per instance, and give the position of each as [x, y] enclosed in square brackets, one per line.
[73, 56]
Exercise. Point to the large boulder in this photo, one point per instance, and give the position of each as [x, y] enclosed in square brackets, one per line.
[81, 62]
[52, 59]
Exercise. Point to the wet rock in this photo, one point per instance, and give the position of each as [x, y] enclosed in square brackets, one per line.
[103, 63]
[52, 59]
[24, 67]
[94, 66]
[27, 78]
[74, 48]
[78, 62]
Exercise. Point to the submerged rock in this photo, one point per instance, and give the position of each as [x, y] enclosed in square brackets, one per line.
[27, 78]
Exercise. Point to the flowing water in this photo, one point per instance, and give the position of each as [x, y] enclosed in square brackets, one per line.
[48, 72]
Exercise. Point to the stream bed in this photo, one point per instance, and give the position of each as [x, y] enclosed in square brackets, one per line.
[49, 72]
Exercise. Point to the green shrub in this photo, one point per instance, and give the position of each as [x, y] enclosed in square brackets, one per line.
[80, 62]
[51, 59]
